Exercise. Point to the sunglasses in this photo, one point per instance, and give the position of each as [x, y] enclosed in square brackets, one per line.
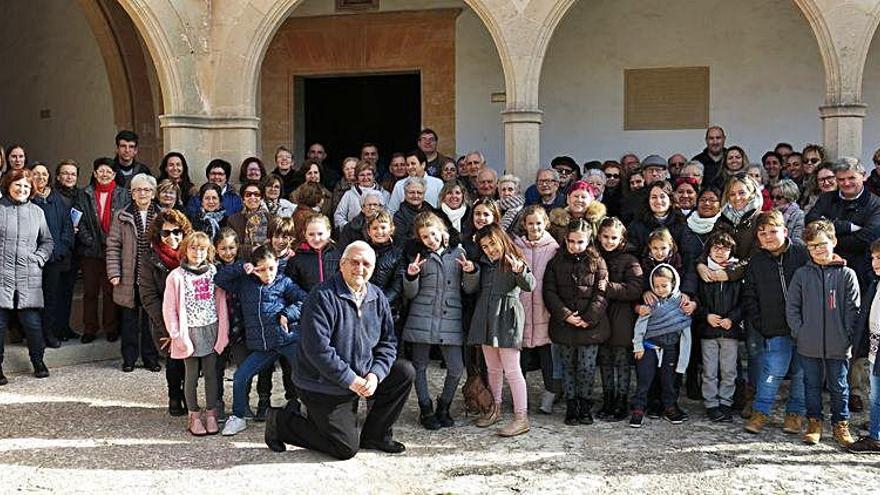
[777, 197]
[813, 161]
[172, 232]
[564, 171]
[612, 176]
[252, 194]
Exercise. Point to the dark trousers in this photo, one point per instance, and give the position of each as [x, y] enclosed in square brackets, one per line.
[31, 322]
[54, 323]
[135, 334]
[545, 360]
[68, 281]
[331, 426]
[95, 282]
[646, 369]
[264, 381]
[174, 375]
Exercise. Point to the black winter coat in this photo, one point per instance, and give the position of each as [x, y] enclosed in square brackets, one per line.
[624, 289]
[577, 283]
[722, 299]
[91, 239]
[763, 293]
[309, 267]
[388, 272]
[852, 246]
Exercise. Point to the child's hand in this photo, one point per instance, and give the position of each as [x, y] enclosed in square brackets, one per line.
[165, 343]
[283, 320]
[649, 298]
[689, 308]
[415, 267]
[726, 323]
[714, 320]
[639, 355]
[643, 310]
[705, 273]
[467, 265]
[248, 268]
[575, 320]
[516, 264]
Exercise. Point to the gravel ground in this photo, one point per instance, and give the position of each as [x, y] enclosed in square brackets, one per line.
[93, 429]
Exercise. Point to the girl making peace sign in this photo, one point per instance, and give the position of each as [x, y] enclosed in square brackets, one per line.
[433, 284]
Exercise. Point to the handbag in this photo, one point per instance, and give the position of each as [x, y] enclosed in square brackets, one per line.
[477, 396]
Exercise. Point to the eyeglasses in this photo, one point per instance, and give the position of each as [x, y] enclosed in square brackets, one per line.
[709, 201]
[547, 181]
[565, 171]
[172, 232]
[252, 194]
[817, 245]
[813, 161]
[142, 190]
[827, 180]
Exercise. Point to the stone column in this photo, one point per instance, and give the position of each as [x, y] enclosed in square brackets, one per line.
[207, 137]
[842, 129]
[522, 141]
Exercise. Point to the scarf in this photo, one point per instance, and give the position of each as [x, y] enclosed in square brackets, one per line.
[104, 215]
[456, 215]
[141, 228]
[713, 265]
[168, 256]
[272, 205]
[212, 220]
[197, 270]
[699, 225]
[789, 210]
[735, 216]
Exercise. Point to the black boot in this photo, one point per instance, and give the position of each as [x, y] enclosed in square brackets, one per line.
[607, 406]
[262, 409]
[572, 412]
[427, 417]
[52, 341]
[621, 409]
[3, 380]
[585, 414]
[442, 415]
[40, 369]
[176, 407]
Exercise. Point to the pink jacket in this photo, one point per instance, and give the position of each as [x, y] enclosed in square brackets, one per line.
[537, 328]
[175, 320]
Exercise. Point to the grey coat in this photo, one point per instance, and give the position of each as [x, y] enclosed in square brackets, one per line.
[822, 303]
[25, 246]
[499, 316]
[435, 310]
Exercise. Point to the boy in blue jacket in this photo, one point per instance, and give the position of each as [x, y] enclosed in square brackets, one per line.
[270, 309]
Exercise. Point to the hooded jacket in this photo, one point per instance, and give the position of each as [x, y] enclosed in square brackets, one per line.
[434, 295]
[765, 289]
[625, 287]
[536, 331]
[498, 314]
[666, 317]
[822, 306]
[577, 283]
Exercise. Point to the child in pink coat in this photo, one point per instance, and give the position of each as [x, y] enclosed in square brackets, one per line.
[538, 247]
[198, 325]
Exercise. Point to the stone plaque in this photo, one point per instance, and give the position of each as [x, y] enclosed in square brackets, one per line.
[666, 98]
[357, 5]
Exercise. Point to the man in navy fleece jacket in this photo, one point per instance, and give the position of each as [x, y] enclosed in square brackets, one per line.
[347, 351]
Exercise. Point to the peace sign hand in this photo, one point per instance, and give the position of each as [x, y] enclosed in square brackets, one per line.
[466, 265]
[516, 264]
[415, 267]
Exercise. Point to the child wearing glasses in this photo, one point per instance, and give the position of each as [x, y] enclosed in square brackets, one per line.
[821, 309]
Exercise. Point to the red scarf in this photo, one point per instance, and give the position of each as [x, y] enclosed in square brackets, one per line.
[104, 215]
[169, 257]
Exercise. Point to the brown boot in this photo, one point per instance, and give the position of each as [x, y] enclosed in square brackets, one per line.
[756, 423]
[793, 424]
[194, 424]
[490, 417]
[842, 435]
[814, 431]
[210, 419]
[517, 426]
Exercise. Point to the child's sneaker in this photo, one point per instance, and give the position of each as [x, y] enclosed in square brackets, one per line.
[673, 415]
[715, 414]
[637, 420]
[234, 425]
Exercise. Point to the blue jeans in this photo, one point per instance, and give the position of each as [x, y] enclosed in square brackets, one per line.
[835, 372]
[778, 359]
[256, 362]
[874, 428]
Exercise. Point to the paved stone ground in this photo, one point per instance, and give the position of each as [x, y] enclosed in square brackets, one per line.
[91, 428]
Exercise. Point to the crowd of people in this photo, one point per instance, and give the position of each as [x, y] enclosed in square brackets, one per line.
[715, 277]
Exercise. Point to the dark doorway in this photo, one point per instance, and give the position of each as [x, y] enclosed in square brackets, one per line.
[344, 112]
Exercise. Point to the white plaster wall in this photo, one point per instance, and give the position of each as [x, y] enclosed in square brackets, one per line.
[478, 74]
[766, 76]
[871, 97]
[52, 61]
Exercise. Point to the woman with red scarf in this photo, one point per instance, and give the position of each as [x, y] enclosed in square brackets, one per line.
[167, 230]
[96, 202]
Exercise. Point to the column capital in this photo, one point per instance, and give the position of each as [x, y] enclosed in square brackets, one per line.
[857, 110]
[522, 115]
[168, 121]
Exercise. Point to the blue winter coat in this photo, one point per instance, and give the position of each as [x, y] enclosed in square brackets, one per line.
[339, 342]
[262, 306]
[58, 219]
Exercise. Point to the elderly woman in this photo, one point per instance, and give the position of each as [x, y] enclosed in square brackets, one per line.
[167, 230]
[413, 204]
[349, 179]
[372, 201]
[449, 171]
[510, 202]
[785, 196]
[275, 204]
[211, 216]
[349, 205]
[97, 202]
[759, 175]
[596, 177]
[168, 195]
[685, 194]
[61, 227]
[128, 244]
[822, 181]
[175, 169]
[252, 222]
[580, 203]
[25, 247]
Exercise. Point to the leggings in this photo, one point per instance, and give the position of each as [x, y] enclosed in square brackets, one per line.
[208, 365]
[506, 361]
[578, 370]
[452, 354]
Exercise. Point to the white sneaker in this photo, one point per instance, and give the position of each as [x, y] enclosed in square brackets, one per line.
[547, 402]
[234, 425]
